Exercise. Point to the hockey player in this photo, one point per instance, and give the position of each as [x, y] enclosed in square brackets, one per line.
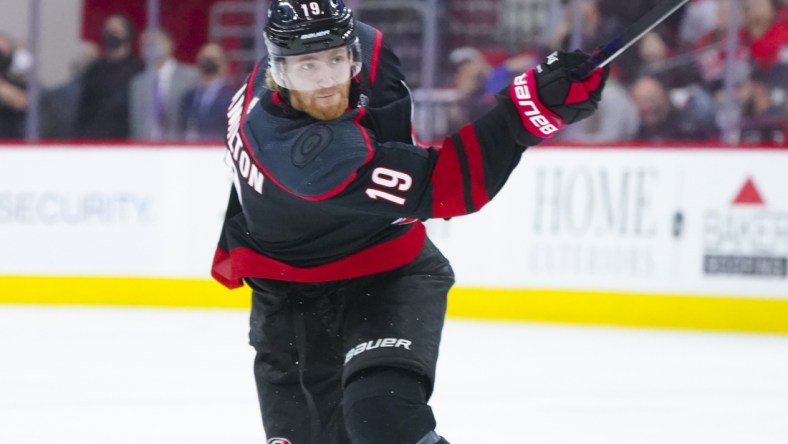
[324, 221]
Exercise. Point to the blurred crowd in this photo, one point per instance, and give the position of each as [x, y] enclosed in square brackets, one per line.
[112, 94]
[677, 84]
[672, 85]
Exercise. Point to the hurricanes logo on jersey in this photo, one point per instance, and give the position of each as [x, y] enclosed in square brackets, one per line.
[279, 441]
[311, 143]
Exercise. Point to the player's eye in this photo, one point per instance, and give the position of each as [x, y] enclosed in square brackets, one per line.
[338, 59]
[310, 66]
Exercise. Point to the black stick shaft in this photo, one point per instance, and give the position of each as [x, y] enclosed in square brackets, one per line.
[628, 37]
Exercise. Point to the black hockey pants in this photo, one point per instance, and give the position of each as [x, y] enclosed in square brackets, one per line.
[313, 339]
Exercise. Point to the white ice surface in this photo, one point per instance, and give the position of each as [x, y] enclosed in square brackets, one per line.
[164, 376]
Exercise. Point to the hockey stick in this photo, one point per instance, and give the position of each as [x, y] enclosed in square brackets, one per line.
[627, 38]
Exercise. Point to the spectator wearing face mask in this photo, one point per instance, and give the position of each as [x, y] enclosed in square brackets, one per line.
[104, 106]
[13, 97]
[56, 124]
[204, 108]
[155, 103]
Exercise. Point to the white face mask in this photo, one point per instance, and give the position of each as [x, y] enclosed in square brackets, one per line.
[22, 62]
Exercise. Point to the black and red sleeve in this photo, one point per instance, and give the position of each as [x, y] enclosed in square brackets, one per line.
[457, 178]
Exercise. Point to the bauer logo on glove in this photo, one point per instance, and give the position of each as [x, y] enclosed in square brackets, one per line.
[547, 97]
[533, 114]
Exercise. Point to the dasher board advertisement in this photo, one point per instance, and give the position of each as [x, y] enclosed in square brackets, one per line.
[666, 221]
[684, 221]
[111, 211]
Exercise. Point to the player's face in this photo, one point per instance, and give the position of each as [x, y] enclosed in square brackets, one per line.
[319, 83]
[318, 71]
[322, 104]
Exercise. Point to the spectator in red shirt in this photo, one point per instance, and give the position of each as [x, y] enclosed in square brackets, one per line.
[711, 52]
[765, 31]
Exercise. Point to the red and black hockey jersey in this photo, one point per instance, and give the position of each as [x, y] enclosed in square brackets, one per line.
[318, 200]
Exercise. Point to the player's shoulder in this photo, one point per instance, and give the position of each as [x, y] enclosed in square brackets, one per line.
[368, 35]
[311, 159]
[381, 63]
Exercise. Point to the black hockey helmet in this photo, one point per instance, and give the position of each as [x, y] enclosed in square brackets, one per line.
[296, 27]
[306, 42]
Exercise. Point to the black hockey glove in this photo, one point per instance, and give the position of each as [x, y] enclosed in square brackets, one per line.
[547, 97]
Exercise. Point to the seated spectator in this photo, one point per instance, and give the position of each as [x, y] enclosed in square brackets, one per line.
[765, 32]
[658, 59]
[103, 111]
[597, 30]
[470, 76]
[13, 96]
[660, 119]
[171, 83]
[699, 19]
[627, 12]
[754, 57]
[502, 75]
[711, 50]
[204, 108]
[616, 118]
[56, 124]
[764, 115]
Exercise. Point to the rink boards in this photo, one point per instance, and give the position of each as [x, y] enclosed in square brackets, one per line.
[666, 237]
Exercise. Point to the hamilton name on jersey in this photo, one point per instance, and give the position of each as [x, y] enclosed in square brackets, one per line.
[242, 164]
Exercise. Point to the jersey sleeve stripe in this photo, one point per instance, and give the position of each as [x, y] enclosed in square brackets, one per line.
[473, 153]
[447, 200]
[465, 172]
